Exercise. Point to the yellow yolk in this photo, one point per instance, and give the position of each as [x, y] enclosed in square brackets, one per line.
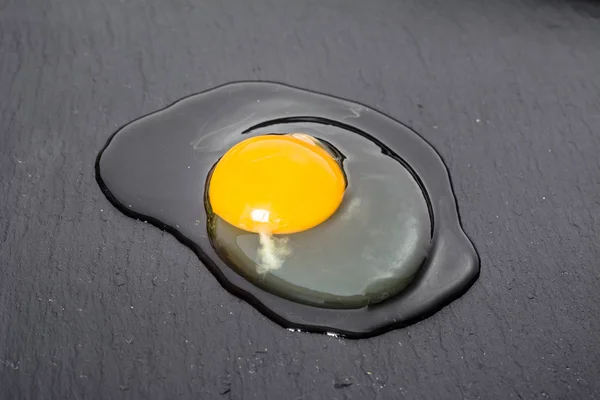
[276, 184]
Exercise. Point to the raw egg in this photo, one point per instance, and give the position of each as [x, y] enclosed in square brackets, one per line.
[322, 213]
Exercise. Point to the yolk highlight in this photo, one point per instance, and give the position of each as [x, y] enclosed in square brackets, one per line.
[276, 184]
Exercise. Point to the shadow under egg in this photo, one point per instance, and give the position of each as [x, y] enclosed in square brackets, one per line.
[369, 250]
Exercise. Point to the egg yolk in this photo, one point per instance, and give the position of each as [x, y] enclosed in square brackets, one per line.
[276, 184]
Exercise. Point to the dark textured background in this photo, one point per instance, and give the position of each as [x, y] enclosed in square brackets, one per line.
[96, 305]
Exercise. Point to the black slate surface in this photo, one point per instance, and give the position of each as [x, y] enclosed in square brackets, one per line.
[96, 305]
